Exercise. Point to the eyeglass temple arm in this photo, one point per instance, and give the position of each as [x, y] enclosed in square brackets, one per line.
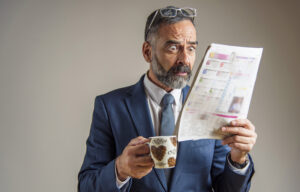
[153, 19]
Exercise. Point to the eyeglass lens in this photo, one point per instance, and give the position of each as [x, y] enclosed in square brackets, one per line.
[170, 12]
[188, 12]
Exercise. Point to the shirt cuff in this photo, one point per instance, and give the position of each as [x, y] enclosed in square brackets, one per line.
[242, 171]
[119, 183]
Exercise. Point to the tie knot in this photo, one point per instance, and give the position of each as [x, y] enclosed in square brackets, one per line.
[168, 99]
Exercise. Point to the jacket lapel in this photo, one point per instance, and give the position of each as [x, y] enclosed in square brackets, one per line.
[139, 110]
[140, 113]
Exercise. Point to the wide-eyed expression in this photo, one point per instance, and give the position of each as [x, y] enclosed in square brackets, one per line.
[173, 53]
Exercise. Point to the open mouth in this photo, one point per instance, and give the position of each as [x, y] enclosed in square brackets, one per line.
[181, 70]
[181, 73]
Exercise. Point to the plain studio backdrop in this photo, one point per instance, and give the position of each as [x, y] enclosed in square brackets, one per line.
[57, 56]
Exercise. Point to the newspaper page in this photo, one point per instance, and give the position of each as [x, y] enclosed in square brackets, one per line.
[221, 91]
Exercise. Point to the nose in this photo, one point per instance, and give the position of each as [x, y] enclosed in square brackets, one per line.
[183, 57]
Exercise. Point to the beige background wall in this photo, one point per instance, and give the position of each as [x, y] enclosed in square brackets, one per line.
[56, 56]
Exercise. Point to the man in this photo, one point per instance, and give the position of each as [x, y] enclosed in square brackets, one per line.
[117, 157]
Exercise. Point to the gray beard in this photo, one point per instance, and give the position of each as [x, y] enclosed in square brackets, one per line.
[169, 78]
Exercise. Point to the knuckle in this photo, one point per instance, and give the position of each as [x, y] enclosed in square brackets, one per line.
[127, 152]
[236, 130]
[243, 121]
[132, 140]
[251, 146]
[248, 148]
[234, 145]
[251, 141]
[255, 135]
[237, 120]
[235, 138]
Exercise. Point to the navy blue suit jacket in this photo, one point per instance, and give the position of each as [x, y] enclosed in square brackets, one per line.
[122, 115]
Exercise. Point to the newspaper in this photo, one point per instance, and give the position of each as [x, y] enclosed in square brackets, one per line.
[221, 92]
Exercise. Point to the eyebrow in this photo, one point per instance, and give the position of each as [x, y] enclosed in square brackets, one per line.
[178, 42]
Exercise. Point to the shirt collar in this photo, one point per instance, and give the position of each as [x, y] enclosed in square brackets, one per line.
[157, 93]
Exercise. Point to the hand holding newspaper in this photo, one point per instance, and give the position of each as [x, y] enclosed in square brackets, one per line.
[221, 92]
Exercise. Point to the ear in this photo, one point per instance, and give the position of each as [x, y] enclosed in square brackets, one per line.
[147, 51]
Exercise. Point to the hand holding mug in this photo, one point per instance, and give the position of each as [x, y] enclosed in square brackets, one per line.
[135, 160]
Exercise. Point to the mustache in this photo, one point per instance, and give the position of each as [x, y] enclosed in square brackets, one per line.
[181, 68]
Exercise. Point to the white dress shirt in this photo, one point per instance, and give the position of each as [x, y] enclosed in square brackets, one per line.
[155, 95]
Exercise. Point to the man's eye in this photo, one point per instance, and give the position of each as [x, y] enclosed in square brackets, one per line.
[191, 49]
[173, 48]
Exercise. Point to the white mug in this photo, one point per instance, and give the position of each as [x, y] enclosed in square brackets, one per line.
[163, 151]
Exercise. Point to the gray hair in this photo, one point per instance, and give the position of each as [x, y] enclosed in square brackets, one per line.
[160, 20]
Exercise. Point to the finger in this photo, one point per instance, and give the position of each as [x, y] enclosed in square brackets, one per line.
[140, 172]
[239, 139]
[241, 147]
[238, 131]
[141, 149]
[242, 123]
[138, 140]
[144, 161]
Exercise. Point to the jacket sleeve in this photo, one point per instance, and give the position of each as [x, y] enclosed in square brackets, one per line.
[223, 178]
[97, 173]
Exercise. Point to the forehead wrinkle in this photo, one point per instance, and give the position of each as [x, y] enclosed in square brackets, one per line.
[178, 32]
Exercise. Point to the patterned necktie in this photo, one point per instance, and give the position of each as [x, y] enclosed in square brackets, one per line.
[167, 116]
[167, 126]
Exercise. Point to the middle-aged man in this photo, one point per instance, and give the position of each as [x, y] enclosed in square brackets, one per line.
[117, 156]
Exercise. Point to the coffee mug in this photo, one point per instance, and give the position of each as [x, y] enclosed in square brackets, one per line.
[163, 151]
